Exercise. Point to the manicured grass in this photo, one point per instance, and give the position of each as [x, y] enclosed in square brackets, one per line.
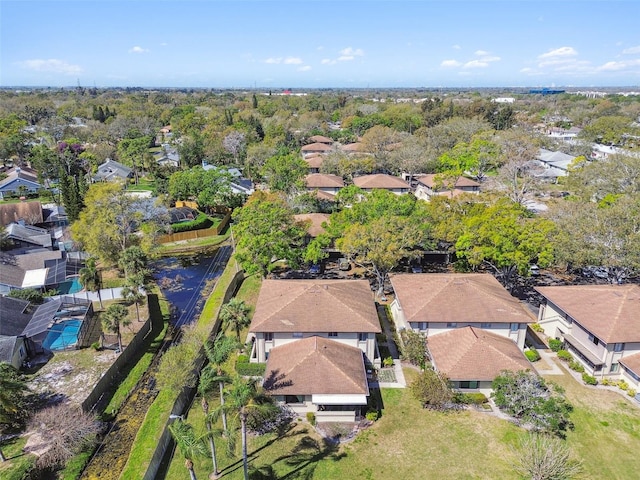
[187, 246]
[17, 464]
[409, 442]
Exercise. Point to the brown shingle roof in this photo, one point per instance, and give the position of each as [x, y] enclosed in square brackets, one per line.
[323, 180]
[610, 312]
[632, 362]
[316, 365]
[456, 297]
[470, 353]
[352, 147]
[321, 139]
[430, 181]
[325, 196]
[30, 212]
[317, 147]
[380, 180]
[316, 219]
[315, 306]
[314, 161]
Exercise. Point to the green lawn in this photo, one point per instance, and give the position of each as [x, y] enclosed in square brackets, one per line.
[17, 464]
[409, 442]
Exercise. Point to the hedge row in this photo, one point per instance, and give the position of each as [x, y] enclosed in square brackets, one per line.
[250, 369]
[198, 223]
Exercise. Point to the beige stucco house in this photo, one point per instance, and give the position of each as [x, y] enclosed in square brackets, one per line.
[381, 181]
[599, 325]
[429, 185]
[433, 303]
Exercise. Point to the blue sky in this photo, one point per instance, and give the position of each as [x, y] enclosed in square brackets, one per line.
[305, 44]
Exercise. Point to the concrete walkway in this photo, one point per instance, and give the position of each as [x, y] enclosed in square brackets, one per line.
[549, 359]
[400, 380]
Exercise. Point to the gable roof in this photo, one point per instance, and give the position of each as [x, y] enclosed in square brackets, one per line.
[323, 180]
[316, 147]
[111, 170]
[321, 139]
[632, 362]
[380, 180]
[456, 297]
[13, 315]
[29, 212]
[7, 348]
[352, 147]
[316, 219]
[610, 312]
[315, 306]
[314, 160]
[316, 365]
[471, 353]
[29, 234]
[29, 178]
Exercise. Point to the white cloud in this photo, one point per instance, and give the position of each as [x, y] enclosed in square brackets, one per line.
[285, 61]
[481, 53]
[617, 66]
[292, 61]
[632, 50]
[327, 61]
[456, 47]
[475, 64]
[51, 65]
[450, 63]
[351, 52]
[304, 68]
[345, 58]
[273, 60]
[138, 49]
[561, 52]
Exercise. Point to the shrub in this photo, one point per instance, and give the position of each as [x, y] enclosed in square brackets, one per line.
[589, 379]
[606, 382]
[242, 359]
[532, 355]
[251, 369]
[372, 416]
[555, 345]
[475, 398]
[198, 223]
[564, 355]
[537, 328]
[631, 392]
[96, 346]
[311, 418]
[623, 385]
[576, 366]
[387, 362]
[414, 347]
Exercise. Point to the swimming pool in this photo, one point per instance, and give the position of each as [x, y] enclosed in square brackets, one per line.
[62, 335]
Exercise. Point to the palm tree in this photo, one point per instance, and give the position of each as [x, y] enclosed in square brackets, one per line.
[244, 399]
[217, 352]
[189, 444]
[113, 318]
[132, 291]
[132, 261]
[235, 316]
[91, 278]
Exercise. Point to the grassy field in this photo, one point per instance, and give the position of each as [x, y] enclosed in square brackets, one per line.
[409, 442]
[17, 464]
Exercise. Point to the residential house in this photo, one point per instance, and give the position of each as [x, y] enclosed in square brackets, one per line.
[472, 357]
[433, 303]
[238, 183]
[111, 171]
[31, 268]
[318, 375]
[564, 134]
[324, 182]
[315, 221]
[313, 148]
[356, 147]
[289, 310]
[23, 235]
[14, 317]
[168, 156]
[321, 139]
[381, 181]
[29, 213]
[432, 184]
[19, 182]
[599, 325]
[315, 162]
[553, 164]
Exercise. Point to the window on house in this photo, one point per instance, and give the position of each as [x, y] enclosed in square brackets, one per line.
[515, 327]
[268, 337]
[485, 325]
[296, 335]
[470, 384]
[362, 337]
[333, 334]
[618, 347]
[614, 367]
[294, 399]
[422, 326]
[594, 339]
[452, 325]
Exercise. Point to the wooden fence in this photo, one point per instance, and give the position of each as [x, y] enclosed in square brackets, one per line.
[193, 234]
